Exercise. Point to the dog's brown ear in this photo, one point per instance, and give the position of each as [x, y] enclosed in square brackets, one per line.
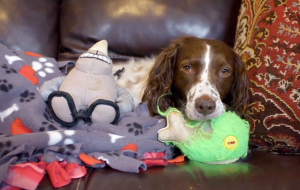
[161, 78]
[240, 88]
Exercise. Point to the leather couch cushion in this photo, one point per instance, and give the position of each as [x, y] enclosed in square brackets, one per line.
[268, 41]
[30, 25]
[143, 27]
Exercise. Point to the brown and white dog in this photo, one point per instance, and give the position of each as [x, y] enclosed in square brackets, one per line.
[205, 77]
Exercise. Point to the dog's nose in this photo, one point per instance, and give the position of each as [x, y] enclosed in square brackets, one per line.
[205, 105]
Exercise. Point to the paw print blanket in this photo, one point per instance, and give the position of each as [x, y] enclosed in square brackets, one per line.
[32, 143]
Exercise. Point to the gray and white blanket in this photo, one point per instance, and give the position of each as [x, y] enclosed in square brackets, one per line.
[29, 134]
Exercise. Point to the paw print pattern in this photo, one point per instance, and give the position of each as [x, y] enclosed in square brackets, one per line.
[67, 149]
[113, 154]
[8, 70]
[48, 116]
[135, 128]
[27, 96]
[42, 67]
[4, 86]
[47, 127]
[5, 147]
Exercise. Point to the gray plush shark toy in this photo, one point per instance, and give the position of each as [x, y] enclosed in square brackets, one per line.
[88, 92]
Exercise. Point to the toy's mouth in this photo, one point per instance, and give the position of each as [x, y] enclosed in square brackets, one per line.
[96, 56]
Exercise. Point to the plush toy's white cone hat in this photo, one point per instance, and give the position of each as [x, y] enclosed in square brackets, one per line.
[100, 46]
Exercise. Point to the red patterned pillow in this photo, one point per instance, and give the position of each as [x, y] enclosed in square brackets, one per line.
[268, 40]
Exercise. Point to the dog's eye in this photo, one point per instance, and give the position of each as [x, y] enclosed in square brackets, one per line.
[225, 72]
[187, 69]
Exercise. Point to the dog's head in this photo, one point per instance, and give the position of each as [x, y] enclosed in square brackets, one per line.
[204, 77]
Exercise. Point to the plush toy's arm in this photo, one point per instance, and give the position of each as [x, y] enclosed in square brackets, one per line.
[50, 86]
[125, 100]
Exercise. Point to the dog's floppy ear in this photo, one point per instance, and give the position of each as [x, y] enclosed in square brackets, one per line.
[240, 88]
[161, 78]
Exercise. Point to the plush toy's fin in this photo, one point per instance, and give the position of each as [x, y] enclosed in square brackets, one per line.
[176, 129]
[158, 110]
[100, 46]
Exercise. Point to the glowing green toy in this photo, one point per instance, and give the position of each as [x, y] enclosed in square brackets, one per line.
[221, 140]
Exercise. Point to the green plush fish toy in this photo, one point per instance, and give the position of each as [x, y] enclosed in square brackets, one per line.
[221, 140]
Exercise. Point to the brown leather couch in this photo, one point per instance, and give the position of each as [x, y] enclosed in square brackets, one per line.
[64, 29]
